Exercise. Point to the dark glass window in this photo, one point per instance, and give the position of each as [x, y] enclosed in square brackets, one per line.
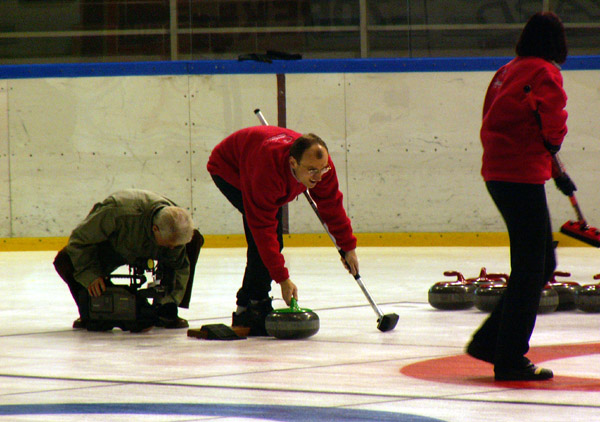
[37, 31]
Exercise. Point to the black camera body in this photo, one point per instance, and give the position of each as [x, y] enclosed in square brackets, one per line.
[126, 306]
[117, 303]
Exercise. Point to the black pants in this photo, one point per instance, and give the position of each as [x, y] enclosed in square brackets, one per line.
[64, 268]
[257, 280]
[509, 327]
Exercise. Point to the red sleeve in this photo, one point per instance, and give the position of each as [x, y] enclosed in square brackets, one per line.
[330, 203]
[551, 100]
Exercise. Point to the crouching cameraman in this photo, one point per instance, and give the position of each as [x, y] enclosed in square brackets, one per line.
[126, 228]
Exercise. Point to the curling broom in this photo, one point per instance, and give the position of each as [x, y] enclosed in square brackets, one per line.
[578, 229]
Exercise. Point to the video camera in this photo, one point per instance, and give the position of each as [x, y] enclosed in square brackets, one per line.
[126, 306]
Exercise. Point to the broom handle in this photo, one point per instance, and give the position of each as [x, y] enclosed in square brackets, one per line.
[362, 286]
[555, 160]
[316, 210]
[260, 116]
[572, 199]
[577, 210]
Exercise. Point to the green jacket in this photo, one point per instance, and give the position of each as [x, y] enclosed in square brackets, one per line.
[123, 222]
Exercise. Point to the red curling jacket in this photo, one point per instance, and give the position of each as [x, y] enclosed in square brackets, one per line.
[513, 148]
[255, 160]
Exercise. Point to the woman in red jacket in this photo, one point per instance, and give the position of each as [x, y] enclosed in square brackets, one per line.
[517, 162]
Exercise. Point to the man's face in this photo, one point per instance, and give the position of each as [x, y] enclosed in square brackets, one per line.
[162, 241]
[310, 169]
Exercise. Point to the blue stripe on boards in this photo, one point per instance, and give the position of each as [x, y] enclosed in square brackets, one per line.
[227, 67]
[75, 70]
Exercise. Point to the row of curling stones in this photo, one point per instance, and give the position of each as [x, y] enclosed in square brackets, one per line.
[574, 296]
[292, 323]
[461, 294]
[485, 291]
[488, 295]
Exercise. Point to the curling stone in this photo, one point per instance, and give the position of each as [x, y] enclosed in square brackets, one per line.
[567, 291]
[587, 298]
[487, 295]
[490, 289]
[452, 295]
[548, 300]
[292, 323]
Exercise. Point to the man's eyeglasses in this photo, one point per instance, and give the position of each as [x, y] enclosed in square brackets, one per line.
[313, 171]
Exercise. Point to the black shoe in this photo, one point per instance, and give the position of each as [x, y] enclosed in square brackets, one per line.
[477, 351]
[172, 323]
[167, 317]
[254, 317]
[526, 373]
[79, 324]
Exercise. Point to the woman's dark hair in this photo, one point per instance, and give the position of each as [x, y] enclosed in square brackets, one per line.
[543, 36]
[305, 142]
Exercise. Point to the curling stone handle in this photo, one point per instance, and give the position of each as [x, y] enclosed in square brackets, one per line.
[294, 305]
[458, 275]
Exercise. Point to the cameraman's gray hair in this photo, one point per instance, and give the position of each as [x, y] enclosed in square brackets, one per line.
[175, 224]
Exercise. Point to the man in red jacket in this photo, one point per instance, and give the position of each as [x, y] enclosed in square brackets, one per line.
[260, 169]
